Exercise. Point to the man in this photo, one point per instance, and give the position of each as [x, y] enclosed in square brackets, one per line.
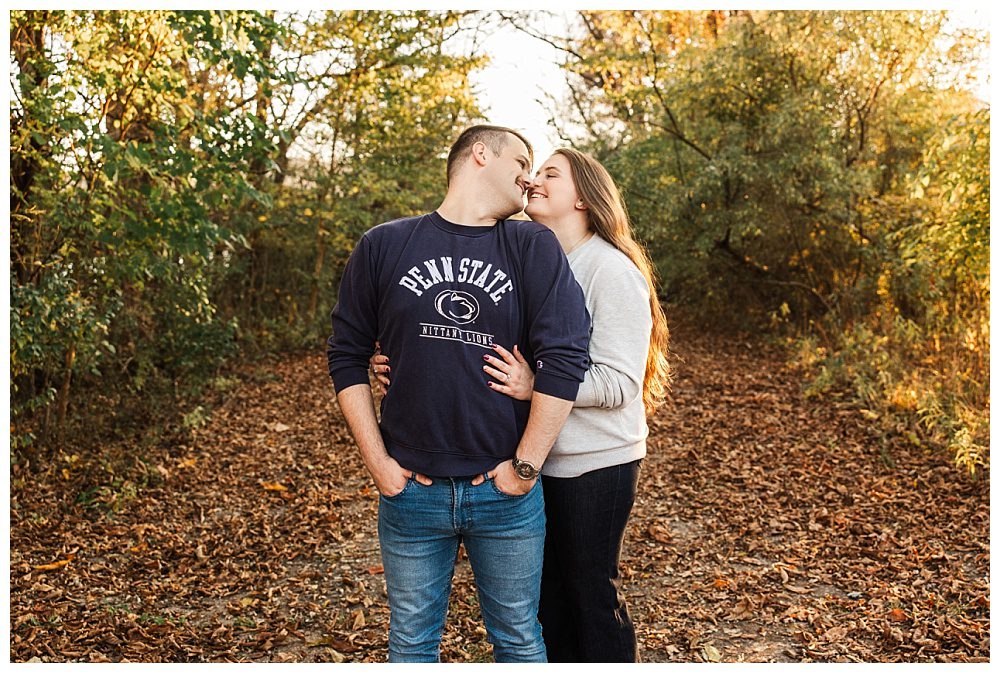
[455, 462]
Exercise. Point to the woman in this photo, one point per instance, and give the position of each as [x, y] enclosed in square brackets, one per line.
[589, 479]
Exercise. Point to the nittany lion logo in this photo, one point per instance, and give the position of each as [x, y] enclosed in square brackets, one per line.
[457, 306]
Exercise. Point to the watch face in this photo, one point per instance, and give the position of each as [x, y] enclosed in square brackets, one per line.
[525, 471]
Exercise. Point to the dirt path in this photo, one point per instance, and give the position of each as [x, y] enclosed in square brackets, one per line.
[767, 528]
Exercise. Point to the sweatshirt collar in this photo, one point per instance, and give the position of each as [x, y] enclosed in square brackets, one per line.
[583, 246]
[460, 229]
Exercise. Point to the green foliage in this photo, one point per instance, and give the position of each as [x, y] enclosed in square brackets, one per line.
[186, 185]
[117, 175]
[384, 102]
[920, 357]
[812, 172]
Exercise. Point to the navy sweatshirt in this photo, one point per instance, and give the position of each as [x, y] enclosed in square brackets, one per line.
[437, 296]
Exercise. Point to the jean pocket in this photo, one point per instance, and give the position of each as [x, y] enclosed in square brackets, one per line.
[496, 489]
[406, 487]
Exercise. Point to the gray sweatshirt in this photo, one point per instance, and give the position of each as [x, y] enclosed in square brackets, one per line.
[608, 423]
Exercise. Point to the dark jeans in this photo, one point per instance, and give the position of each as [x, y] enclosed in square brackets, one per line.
[582, 609]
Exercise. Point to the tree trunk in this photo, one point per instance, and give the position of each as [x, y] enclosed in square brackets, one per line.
[27, 44]
[63, 401]
[47, 418]
[317, 271]
[262, 106]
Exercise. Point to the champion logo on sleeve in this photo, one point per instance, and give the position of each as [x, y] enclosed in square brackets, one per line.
[538, 364]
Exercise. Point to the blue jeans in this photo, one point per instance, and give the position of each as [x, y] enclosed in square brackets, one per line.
[419, 531]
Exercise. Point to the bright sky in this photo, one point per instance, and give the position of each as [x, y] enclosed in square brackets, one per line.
[513, 89]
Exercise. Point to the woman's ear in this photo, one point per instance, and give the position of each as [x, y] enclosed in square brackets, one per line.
[580, 205]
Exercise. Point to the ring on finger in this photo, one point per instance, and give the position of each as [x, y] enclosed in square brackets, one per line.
[506, 377]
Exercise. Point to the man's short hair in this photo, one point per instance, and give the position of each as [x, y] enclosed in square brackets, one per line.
[494, 137]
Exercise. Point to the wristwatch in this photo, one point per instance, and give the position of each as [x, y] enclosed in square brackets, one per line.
[524, 469]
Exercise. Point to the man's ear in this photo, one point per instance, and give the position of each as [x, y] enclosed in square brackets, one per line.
[479, 154]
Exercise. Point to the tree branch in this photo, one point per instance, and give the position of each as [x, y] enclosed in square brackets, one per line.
[510, 18]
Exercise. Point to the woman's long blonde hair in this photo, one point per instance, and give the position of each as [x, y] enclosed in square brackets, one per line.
[607, 216]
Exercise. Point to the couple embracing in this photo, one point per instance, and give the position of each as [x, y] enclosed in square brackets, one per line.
[519, 360]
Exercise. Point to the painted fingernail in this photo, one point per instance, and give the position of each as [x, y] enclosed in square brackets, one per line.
[486, 357]
[489, 383]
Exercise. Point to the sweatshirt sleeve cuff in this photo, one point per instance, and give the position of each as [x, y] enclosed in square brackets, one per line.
[556, 386]
[345, 378]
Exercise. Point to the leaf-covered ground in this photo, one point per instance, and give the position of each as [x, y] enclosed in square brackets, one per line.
[768, 527]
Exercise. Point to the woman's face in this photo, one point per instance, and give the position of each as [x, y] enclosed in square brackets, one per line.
[552, 193]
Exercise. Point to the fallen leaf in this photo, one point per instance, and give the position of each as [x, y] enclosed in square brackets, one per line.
[359, 619]
[709, 653]
[376, 570]
[898, 615]
[659, 533]
[273, 486]
[744, 609]
[57, 564]
[336, 643]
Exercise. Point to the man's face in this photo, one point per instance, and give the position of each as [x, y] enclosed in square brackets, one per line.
[509, 175]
